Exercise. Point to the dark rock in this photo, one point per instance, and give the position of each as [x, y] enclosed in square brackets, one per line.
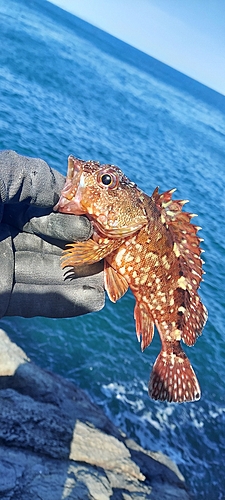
[55, 444]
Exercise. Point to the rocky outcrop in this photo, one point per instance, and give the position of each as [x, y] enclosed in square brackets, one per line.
[55, 444]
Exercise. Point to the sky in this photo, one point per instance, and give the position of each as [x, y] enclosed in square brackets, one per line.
[188, 35]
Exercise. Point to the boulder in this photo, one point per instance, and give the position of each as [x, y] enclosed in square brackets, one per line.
[56, 444]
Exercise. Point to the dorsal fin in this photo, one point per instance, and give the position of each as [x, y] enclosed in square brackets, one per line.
[186, 248]
[186, 243]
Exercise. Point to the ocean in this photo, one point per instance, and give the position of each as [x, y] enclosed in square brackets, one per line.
[67, 87]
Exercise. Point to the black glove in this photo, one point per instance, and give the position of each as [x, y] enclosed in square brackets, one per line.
[32, 237]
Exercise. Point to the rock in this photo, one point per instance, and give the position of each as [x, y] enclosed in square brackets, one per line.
[55, 444]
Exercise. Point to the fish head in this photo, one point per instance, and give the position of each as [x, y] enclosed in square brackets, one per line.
[105, 195]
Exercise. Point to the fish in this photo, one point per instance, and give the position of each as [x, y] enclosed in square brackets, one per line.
[150, 245]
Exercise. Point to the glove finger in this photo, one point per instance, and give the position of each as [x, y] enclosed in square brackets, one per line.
[64, 227]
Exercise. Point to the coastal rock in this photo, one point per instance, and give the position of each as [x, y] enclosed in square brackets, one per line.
[56, 444]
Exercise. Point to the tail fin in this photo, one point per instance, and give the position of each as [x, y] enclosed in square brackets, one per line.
[173, 378]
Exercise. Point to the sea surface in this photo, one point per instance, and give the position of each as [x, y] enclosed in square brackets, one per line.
[67, 87]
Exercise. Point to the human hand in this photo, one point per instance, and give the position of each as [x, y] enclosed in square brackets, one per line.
[32, 237]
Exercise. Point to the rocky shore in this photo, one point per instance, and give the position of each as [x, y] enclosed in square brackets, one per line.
[56, 444]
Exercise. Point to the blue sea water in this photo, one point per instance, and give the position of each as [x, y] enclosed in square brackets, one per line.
[66, 87]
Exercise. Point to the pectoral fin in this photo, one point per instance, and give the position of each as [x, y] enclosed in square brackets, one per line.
[86, 252]
[115, 284]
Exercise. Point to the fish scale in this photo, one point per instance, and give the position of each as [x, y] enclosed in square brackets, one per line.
[150, 246]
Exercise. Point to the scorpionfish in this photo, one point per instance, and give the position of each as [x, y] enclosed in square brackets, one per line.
[150, 246]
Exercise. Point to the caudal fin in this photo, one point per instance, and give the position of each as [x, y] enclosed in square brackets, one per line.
[173, 378]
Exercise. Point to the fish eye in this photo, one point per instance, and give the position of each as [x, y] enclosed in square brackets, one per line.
[106, 179]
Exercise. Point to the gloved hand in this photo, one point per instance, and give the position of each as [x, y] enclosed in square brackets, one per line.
[32, 237]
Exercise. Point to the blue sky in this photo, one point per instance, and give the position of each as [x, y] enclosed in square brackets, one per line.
[188, 35]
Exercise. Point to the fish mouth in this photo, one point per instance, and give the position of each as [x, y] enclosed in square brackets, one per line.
[74, 166]
[70, 200]
[71, 194]
[69, 206]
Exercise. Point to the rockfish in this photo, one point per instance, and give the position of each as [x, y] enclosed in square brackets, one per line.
[150, 246]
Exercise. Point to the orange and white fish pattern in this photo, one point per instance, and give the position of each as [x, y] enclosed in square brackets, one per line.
[150, 246]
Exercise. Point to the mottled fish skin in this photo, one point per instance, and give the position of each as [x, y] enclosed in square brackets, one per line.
[150, 246]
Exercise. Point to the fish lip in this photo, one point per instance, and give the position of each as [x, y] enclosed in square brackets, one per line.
[69, 207]
[74, 166]
[70, 201]
[71, 194]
